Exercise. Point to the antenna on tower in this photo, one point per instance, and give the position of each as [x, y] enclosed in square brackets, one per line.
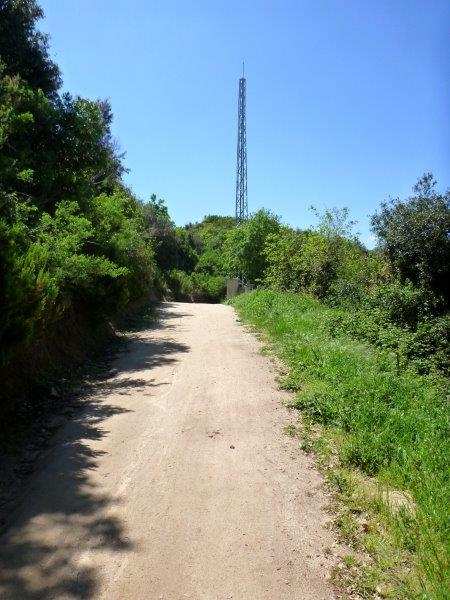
[241, 155]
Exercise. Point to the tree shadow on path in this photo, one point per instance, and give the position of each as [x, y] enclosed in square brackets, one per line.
[62, 516]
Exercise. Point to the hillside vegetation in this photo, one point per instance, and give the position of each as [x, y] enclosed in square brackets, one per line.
[388, 423]
[365, 338]
[364, 334]
[77, 248]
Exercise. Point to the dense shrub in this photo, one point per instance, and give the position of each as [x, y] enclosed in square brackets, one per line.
[73, 239]
[210, 235]
[24, 50]
[328, 261]
[175, 247]
[99, 259]
[211, 231]
[428, 347]
[190, 259]
[328, 267]
[415, 234]
[196, 287]
[244, 245]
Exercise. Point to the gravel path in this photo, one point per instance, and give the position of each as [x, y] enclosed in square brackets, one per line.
[177, 481]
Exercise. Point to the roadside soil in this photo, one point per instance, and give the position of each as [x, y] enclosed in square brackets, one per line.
[175, 481]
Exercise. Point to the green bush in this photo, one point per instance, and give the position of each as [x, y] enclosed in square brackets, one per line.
[401, 303]
[208, 236]
[428, 348]
[414, 234]
[326, 266]
[210, 288]
[196, 287]
[176, 248]
[243, 248]
[99, 260]
[299, 260]
[73, 240]
[399, 318]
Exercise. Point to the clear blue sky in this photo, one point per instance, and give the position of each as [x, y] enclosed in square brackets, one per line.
[348, 100]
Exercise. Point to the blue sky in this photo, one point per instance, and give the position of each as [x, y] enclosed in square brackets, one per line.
[348, 101]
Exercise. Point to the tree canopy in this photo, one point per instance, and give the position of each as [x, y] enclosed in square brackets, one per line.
[415, 234]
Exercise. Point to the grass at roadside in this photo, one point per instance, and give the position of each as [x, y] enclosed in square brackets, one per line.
[382, 436]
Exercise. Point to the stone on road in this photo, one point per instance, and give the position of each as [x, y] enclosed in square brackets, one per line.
[176, 482]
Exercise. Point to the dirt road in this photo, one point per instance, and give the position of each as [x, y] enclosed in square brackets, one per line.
[177, 482]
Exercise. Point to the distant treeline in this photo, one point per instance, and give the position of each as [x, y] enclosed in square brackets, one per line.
[396, 296]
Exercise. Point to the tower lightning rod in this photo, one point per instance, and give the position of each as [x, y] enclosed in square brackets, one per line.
[241, 154]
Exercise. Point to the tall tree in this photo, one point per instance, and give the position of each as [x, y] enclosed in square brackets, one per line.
[415, 234]
[23, 49]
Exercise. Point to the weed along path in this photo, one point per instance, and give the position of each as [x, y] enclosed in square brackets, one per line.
[176, 482]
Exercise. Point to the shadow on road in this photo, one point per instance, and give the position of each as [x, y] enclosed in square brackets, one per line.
[62, 515]
[147, 353]
[36, 563]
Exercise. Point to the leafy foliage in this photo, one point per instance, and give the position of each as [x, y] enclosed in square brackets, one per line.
[335, 223]
[415, 234]
[319, 264]
[23, 50]
[209, 236]
[191, 257]
[73, 239]
[174, 246]
[55, 263]
[244, 246]
[196, 287]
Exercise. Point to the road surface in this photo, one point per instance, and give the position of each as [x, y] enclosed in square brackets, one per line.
[176, 482]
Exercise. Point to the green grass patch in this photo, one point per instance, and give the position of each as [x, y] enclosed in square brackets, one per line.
[389, 424]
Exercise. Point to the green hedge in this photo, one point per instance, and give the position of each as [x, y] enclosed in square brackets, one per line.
[196, 287]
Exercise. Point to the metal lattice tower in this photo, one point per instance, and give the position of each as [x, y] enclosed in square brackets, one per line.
[241, 162]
